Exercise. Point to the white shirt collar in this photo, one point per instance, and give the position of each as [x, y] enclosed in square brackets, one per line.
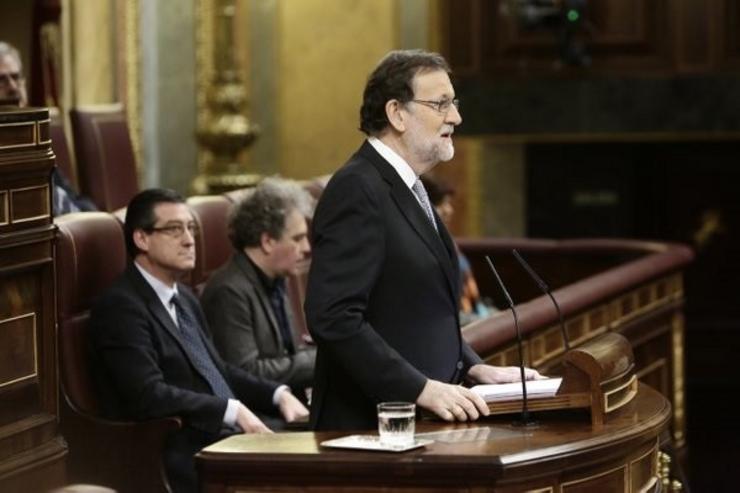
[397, 162]
[164, 292]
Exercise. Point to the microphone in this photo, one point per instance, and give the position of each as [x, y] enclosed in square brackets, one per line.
[525, 420]
[545, 289]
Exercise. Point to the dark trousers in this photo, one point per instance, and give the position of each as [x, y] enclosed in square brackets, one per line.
[179, 457]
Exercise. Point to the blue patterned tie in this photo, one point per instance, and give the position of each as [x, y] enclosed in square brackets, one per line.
[192, 337]
[421, 193]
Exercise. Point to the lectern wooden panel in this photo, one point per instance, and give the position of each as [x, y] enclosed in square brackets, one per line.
[31, 450]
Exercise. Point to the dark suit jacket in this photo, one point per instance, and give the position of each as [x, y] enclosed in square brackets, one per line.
[245, 329]
[382, 296]
[142, 371]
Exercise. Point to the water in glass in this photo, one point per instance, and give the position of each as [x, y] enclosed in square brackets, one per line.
[396, 423]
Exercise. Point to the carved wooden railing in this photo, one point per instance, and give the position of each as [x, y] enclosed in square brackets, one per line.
[631, 287]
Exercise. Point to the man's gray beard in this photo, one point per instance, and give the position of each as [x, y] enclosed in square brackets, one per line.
[438, 154]
[447, 153]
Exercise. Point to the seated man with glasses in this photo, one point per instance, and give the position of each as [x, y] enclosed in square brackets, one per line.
[152, 354]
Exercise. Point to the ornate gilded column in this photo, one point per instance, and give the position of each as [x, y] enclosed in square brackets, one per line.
[224, 131]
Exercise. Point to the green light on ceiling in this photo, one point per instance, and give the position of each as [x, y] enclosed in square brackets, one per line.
[573, 15]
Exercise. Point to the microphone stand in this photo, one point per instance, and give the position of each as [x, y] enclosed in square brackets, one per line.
[525, 419]
[546, 289]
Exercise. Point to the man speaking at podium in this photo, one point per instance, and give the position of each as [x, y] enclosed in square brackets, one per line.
[383, 290]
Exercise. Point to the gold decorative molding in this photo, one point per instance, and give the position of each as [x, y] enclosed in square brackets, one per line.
[625, 471]
[203, 62]
[224, 131]
[664, 473]
[4, 211]
[616, 398]
[679, 398]
[132, 44]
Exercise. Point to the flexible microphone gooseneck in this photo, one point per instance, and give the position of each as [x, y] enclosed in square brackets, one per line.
[545, 289]
[525, 420]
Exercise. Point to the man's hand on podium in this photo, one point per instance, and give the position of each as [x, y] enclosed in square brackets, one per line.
[485, 374]
[451, 402]
[249, 422]
[291, 408]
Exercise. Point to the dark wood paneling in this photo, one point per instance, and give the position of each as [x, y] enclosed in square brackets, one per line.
[31, 451]
[486, 38]
[694, 37]
[462, 39]
[17, 349]
[728, 34]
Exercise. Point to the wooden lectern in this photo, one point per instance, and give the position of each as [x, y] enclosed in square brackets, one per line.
[562, 454]
[598, 376]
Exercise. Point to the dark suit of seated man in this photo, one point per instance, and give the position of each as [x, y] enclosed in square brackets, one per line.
[245, 301]
[152, 354]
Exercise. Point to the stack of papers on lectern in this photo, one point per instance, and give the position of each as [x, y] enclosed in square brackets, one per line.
[536, 389]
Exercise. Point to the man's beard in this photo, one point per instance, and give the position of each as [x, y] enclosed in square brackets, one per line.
[447, 151]
[430, 150]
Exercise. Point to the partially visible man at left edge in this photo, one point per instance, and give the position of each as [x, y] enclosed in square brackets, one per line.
[12, 82]
[13, 93]
[152, 354]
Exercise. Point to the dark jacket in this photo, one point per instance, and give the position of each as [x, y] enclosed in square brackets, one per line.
[142, 371]
[245, 329]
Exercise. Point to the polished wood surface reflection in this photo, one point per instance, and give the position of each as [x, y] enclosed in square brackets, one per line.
[563, 452]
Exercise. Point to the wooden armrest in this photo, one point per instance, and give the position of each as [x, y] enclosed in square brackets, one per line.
[124, 455]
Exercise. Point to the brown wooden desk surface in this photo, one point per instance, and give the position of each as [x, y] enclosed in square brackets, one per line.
[562, 453]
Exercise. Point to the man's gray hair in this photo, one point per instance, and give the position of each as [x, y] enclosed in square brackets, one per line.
[8, 49]
[265, 210]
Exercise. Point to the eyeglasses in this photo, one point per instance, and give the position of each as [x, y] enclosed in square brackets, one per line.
[442, 106]
[174, 230]
[7, 78]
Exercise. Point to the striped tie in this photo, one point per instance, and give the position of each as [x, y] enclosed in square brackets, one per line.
[199, 356]
[421, 194]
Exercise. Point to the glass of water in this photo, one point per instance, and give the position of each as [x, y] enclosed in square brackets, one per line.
[396, 423]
